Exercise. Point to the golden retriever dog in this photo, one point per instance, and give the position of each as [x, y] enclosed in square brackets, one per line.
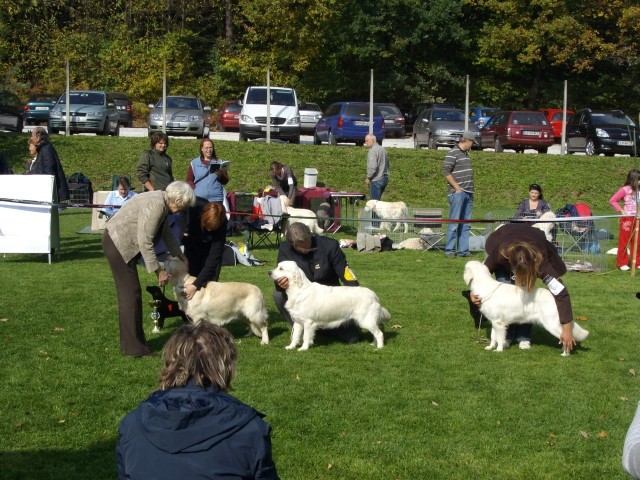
[312, 306]
[301, 215]
[505, 304]
[220, 303]
[395, 211]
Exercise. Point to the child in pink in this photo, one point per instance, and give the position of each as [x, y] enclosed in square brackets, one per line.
[629, 194]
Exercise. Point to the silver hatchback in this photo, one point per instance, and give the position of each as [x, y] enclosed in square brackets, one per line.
[90, 111]
[185, 115]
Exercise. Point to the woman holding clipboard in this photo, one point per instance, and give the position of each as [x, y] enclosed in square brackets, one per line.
[207, 175]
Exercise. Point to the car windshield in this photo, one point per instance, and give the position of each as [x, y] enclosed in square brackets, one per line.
[612, 118]
[183, 103]
[279, 96]
[83, 98]
[448, 115]
[389, 110]
[43, 98]
[529, 118]
[359, 110]
[487, 112]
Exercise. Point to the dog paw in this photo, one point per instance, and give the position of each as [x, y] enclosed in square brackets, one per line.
[303, 348]
[289, 347]
[265, 342]
[488, 347]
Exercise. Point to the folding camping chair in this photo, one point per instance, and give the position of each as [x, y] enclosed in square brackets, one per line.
[428, 223]
[579, 235]
[264, 234]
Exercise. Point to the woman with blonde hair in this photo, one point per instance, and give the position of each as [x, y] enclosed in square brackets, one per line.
[192, 427]
[519, 253]
[204, 244]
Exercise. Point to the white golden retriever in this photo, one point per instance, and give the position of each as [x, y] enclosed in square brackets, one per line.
[312, 306]
[389, 211]
[504, 304]
[301, 215]
[220, 303]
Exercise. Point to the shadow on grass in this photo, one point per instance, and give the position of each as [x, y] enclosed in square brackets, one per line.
[98, 462]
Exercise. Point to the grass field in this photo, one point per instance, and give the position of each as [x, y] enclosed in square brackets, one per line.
[433, 404]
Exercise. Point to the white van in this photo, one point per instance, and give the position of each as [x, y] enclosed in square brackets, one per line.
[285, 116]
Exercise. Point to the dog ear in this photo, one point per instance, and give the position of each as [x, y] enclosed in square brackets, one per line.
[296, 278]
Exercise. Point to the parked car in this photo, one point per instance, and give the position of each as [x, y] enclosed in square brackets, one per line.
[517, 130]
[480, 115]
[437, 127]
[185, 115]
[310, 113]
[394, 123]
[36, 110]
[608, 131]
[554, 116]
[348, 122]
[10, 112]
[124, 106]
[283, 114]
[229, 116]
[411, 116]
[92, 111]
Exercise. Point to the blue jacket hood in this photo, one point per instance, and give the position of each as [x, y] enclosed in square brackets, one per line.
[191, 419]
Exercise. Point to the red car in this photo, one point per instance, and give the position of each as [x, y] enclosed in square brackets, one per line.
[554, 116]
[517, 130]
[229, 116]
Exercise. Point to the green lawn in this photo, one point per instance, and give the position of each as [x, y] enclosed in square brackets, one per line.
[433, 404]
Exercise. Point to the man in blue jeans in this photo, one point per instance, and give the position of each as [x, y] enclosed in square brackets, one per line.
[458, 172]
[377, 168]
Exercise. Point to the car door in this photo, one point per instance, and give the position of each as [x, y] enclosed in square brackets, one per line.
[488, 132]
[421, 128]
[577, 132]
[112, 113]
[324, 124]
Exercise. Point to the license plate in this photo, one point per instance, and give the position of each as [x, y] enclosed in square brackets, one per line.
[529, 133]
[173, 125]
[273, 129]
[42, 108]
[625, 143]
[360, 123]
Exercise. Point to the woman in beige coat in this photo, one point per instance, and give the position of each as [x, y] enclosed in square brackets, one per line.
[130, 235]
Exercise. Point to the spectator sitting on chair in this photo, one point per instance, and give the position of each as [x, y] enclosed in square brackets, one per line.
[284, 181]
[117, 197]
[322, 261]
[191, 427]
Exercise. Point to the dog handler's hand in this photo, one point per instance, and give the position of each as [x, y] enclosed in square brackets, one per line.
[188, 291]
[566, 337]
[163, 277]
[283, 283]
[475, 299]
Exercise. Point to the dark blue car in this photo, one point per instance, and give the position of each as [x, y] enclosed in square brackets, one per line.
[348, 122]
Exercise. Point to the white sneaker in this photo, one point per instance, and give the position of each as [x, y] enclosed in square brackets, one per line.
[525, 345]
[624, 268]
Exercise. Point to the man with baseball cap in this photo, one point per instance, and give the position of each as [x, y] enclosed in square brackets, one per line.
[458, 172]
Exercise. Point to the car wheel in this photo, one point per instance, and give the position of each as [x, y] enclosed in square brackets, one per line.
[497, 146]
[51, 130]
[543, 150]
[296, 140]
[242, 138]
[116, 133]
[432, 143]
[332, 140]
[590, 148]
[20, 125]
[416, 144]
[105, 130]
[316, 138]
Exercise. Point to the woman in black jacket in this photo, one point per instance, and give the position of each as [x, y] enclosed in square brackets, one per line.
[48, 163]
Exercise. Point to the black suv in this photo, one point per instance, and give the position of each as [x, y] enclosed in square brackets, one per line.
[602, 131]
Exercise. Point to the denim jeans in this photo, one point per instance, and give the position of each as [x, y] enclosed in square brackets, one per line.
[460, 207]
[518, 332]
[377, 187]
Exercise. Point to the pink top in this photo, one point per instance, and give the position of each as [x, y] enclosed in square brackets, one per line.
[627, 194]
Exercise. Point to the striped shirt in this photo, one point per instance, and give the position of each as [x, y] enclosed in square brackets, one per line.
[458, 164]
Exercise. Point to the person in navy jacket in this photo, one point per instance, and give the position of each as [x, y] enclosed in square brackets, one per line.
[191, 427]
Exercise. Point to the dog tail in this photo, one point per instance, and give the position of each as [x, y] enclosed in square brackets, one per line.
[579, 333]
[384, 315]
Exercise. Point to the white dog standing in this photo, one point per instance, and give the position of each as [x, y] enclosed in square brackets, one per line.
[312, 306]
[220, 303]
[301, 215]
[396, 211]
[505, 304]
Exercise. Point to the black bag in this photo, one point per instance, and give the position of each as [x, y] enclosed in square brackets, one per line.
[80, 188]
